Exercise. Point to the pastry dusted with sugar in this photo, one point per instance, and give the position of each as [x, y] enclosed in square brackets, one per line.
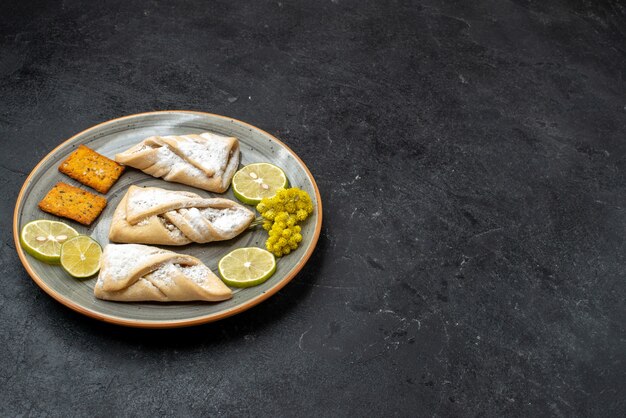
[135, 273]
[151, 215]
[206, 161]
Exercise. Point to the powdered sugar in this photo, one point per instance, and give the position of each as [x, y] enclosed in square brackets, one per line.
[210, 152]
[195, 219]
[198, 273]
[163, 275]
[143, 199]
[167, 164]
[121, 258]
[228, 219]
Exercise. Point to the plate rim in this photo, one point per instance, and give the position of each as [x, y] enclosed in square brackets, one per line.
[163, 323]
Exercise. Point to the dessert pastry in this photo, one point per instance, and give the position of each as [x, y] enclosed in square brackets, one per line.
[150, 215]
[206, 161]
[133, 273]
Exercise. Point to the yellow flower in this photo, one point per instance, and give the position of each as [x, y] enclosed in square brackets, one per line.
[301, 215]
[290, 207]
[282, 214]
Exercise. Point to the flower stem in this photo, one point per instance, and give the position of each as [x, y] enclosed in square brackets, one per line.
[257, 221]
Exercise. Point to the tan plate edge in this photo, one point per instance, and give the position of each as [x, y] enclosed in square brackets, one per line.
[173, 324]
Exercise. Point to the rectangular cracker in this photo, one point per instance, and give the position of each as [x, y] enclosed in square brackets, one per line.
[91, 169]
[73, 203]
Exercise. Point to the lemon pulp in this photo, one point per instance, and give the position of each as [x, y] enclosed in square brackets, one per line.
[245, 267]
[256, 181]
[43, 239]
[80, 256]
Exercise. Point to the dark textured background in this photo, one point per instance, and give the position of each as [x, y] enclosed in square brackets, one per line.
[471, 161]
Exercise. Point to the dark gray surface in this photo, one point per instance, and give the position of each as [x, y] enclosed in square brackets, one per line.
[471, 159]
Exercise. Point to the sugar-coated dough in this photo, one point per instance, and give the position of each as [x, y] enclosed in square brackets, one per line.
[151, 215]
[206, 161]
[134, 273]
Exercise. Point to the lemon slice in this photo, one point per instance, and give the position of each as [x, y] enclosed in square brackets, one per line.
[256, 181]
[43, 239]
[245, 267]
[80, 256]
